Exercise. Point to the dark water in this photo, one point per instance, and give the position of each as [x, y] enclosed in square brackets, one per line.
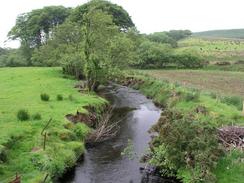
[104, 163]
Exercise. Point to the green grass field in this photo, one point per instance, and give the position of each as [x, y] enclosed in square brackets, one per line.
[215, 49]
[21, 142]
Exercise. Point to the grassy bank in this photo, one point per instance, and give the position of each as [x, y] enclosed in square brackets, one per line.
[21, 142]
[213, 111]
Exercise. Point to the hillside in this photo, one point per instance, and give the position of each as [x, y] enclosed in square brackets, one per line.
[215, 50]
[228, 33]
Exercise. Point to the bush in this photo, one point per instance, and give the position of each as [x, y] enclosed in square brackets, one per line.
[59, 97]
[37, 116]
[185, 145]
[44, 97]
[188, 60]
[23, 115]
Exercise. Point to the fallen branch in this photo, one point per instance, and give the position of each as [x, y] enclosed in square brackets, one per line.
[232, 136]
[105, 128]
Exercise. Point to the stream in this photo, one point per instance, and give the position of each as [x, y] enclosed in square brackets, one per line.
[104, 163]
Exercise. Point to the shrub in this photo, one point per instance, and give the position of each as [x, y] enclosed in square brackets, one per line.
[23, 115]
[37, 116]
[185, 144]
[188, 59]
[59, 97]
[44, 97]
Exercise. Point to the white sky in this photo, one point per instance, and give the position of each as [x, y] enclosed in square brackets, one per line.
[148, 15]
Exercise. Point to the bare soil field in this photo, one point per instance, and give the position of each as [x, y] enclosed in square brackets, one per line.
[226, 83]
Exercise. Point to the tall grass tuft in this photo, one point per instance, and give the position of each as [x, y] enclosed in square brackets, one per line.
[44, 97]
[37, 116]
[23, 115]
[59, 97]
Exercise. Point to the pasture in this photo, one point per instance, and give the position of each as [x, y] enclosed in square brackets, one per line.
[215, 49]
[224, 83]
[21, 140]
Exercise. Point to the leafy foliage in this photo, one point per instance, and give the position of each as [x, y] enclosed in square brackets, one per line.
[179, 34]
[153, 55]
[189, 59]
[170, 37]
[162, 37]
[11, 58]
[34, 28]
[119, 16]
[186, 144]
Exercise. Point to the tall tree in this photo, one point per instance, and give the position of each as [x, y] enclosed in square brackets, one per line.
[120, 17]
[99, 30]
[64, 49]
[34, 28]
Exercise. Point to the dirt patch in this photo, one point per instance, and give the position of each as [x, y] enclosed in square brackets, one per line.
[226, 83]
[89, 118]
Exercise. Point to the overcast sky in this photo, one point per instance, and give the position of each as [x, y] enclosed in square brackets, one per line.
[148, 15]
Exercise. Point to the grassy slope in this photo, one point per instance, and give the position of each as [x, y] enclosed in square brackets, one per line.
[229, 33]
[231, 167]
[215, 49]
[226, 83]
[21, 88]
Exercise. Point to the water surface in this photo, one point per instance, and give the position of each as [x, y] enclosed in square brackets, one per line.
[104, 163]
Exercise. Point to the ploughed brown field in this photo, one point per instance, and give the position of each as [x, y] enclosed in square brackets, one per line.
[226, 83]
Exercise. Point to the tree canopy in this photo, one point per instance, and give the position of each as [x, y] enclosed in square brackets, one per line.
[92, 37]
[120, 17]
[34, 28]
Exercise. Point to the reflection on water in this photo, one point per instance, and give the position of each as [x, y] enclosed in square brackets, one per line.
[104, 163]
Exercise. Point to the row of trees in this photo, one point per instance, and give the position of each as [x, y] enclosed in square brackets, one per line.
[94, 40]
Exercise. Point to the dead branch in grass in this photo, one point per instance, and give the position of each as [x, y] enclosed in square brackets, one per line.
[232, 137]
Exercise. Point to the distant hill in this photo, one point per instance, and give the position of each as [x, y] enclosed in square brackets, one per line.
[230, 33]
